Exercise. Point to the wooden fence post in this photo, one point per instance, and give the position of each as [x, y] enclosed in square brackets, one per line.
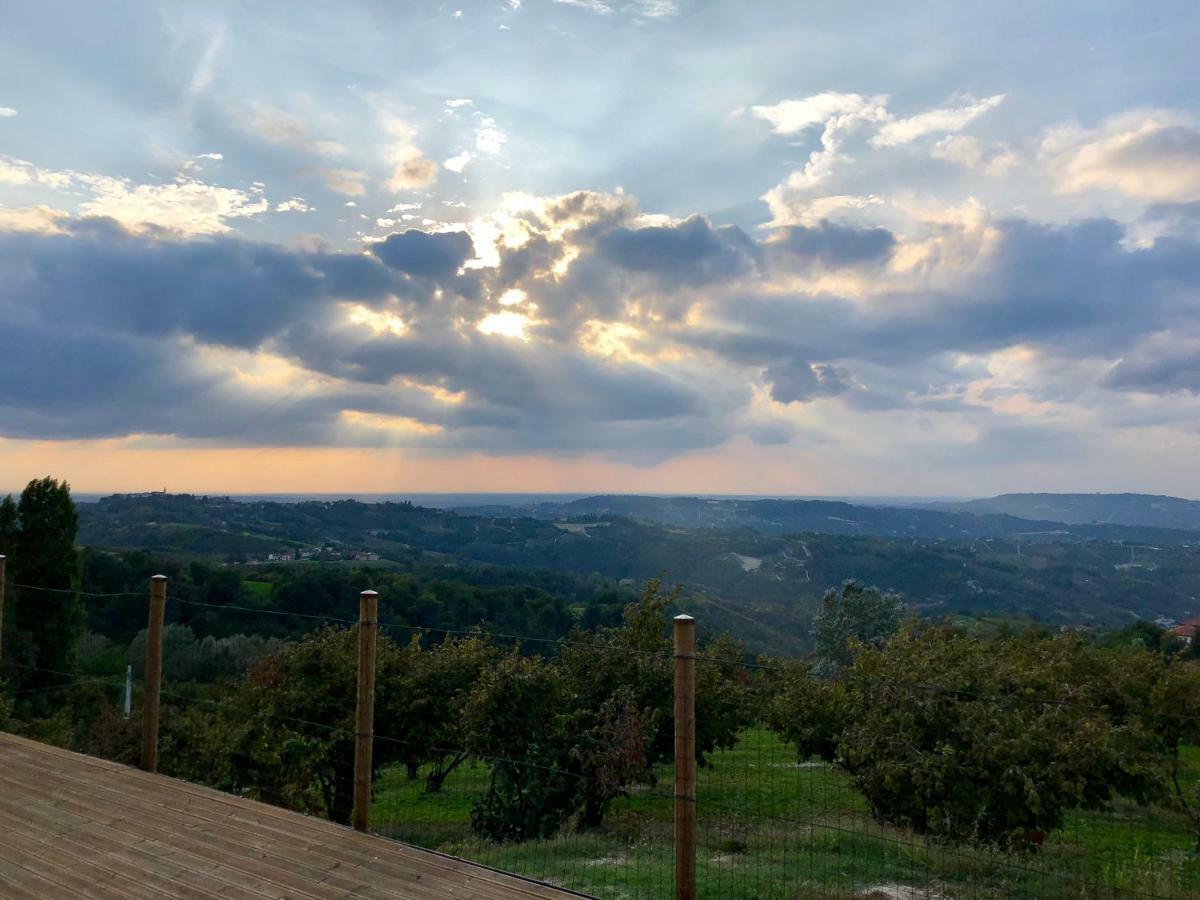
[152, 680]
[364, 717]
[685, 758]
[3, 563]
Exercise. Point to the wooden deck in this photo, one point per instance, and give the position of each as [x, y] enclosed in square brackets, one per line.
[75, 826]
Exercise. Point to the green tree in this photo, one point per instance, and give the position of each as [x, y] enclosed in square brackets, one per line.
[850, 616]
[47, 617]
[566, 736]
[433, 685]
[292, 723]
[992, 740]
[8, 539]
[8, 525]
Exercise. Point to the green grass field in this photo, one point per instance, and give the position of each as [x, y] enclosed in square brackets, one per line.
[772, 827]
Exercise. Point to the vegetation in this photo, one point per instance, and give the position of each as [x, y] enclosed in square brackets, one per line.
[43, 615]
[850, 617]
[994, 740]
[762, 586]
[524, 716]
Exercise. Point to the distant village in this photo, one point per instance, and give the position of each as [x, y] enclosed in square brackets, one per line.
[326, 553]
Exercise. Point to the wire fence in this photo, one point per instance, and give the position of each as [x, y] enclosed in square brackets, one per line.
[771, 822]
[776, 824]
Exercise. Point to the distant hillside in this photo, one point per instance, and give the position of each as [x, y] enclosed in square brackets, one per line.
[764, 587]
[1142, 510]
[836, 517]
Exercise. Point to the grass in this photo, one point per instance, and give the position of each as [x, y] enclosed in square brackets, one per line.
[261, 589]
[769, 826]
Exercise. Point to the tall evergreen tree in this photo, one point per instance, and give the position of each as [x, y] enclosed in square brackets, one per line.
[8, 537]
[47, 614]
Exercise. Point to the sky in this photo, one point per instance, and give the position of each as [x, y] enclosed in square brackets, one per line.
[693, 246]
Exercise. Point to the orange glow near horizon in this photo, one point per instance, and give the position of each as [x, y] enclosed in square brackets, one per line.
[132, 465]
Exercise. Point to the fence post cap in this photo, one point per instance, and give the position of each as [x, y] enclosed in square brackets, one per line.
[684, 617]
[2, 556]
[369, 594]
[158, 577]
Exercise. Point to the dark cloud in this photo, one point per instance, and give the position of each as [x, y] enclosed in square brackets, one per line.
[112, 333]
[795, 382]
[221, 290]
[832, 246]
[1161, 370]
[1075, 289]
[424, 255]
[691, 252]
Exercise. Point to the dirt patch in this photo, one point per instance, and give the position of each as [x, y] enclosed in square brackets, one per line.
[892, 891]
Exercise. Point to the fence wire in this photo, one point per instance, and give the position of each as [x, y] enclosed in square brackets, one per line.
[770, 823]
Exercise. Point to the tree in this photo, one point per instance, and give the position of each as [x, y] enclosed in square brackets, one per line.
[286, 731]
[992, 740]
[432, 685]
[850, 616]
[47, 616]
[566, 736]
[8, 525]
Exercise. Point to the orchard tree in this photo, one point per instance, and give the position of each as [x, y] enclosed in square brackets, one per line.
[288, 727]
[566, 736]
[851, 616]
[993, 740]
[432, 686]
[285, 732]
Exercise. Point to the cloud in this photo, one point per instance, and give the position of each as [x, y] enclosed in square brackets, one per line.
[348, 182]
[656, 9]
[934, 121]
[459, 161]
[796, 382]
[1163, 364]
[489, 138]
[792, 206]
[205, 68]
[795, 116]
[690, 252]
[33, 218]
[20, 172]
[840, 114]
[277, 126]
[186, 205]
[832, 246]
[7, 112]
[596, 6]
[295, 204]
[972, 153]
[578, 323]
[844, 116]
[411, 169]
[426, 255]
[1153, 156]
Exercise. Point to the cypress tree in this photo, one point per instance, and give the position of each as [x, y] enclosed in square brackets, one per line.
[47, 615]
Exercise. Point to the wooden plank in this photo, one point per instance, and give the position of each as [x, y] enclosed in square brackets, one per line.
[480, 877]
[129, 833]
